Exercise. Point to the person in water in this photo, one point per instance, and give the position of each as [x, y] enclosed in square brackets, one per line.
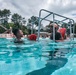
[32, 37]
[58, 36]
[18, 34]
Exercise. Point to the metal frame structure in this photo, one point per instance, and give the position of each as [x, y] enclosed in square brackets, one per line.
[40, 19]
[71, 21]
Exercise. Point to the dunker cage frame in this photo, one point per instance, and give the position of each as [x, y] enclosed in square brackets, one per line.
[40, 19]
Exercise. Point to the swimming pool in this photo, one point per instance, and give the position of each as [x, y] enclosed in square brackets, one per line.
[32, 58]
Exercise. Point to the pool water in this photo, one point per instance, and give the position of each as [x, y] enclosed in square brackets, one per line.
[32, 58]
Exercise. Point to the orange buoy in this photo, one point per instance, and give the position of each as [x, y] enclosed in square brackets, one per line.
[62, 31]
[32, 37]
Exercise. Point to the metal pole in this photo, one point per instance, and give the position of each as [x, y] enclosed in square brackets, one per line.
[73, 28]
[73, 31]
[70, 29]
[39, 23]
[53, 27]
[53, 35]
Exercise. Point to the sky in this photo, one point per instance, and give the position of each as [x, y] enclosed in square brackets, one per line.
[27, 8]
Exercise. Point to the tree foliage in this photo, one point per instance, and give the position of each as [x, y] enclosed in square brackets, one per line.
[4, 16]
[33, 20]
[18, 20]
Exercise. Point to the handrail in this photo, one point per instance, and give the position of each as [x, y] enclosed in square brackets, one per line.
[3, 27]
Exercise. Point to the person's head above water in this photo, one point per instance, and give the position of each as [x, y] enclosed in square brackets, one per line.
[32, 37]
[18, 33]
[55, 25]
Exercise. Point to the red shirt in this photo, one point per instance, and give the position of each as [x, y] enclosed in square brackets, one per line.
[62, 31]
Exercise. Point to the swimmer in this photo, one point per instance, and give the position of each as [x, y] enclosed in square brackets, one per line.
[58, 36]
[18, 34]
[32, 37]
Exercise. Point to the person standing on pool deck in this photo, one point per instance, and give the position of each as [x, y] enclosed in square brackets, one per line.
[18, 34]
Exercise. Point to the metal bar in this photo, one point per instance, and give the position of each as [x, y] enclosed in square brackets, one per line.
[3, 27]
[46, 16]
[53, 35]
[46, 11]
[50, 20]
[44, 19]
[39, 23]
[73, 29]
[54, 13]
[70, 29]
[64, 20]
[53, 27]
[60, 21]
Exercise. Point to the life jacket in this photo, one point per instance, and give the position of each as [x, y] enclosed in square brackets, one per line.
[32, 37]
[62, 31]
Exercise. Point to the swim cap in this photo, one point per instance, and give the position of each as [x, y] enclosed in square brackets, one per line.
[32, 37]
